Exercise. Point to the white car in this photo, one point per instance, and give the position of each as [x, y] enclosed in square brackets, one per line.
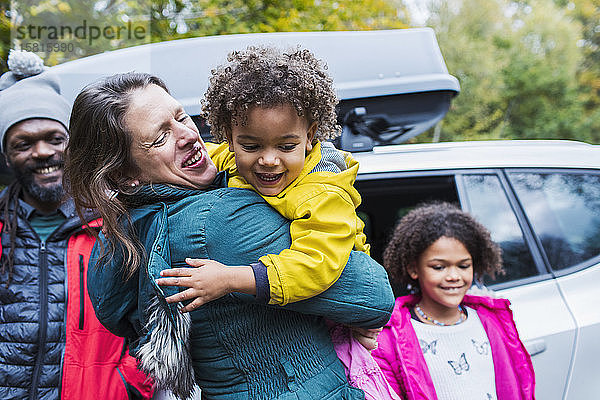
[540, 199]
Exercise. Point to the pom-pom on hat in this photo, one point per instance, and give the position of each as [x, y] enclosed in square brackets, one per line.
[28, 91]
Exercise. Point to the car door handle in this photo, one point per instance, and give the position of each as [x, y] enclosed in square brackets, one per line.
[535, 346]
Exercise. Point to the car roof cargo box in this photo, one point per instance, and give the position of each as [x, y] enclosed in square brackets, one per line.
[393, 84]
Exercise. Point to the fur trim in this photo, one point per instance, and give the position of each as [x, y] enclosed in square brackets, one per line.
[166, 354]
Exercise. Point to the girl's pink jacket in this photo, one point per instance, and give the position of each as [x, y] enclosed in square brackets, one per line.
[400, 357]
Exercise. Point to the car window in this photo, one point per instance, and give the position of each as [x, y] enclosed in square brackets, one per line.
[487, 201]
[564, 210]
[203, 128]
[385, 201]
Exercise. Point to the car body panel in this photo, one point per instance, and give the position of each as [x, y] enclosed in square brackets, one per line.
[479, 154]
[582, 293]
[544, 324]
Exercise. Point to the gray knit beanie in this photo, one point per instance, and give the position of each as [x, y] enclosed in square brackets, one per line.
[28, 91]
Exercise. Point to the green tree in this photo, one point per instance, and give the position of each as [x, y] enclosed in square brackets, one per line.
[523, 70]
[61, 30]
[217, 17]
[5, 26]
[164, 18]
[175, 19]
[474, 36]
[587, 12]
[541, 86]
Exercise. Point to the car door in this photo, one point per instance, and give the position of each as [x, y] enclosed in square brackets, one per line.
[545, 323]
[563, 207]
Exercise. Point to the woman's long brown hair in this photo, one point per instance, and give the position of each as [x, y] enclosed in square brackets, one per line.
[98, 162]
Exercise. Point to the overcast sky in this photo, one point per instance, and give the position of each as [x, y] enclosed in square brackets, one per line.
[418, 11]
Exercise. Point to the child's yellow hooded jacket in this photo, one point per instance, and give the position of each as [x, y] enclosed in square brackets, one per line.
[321, 203]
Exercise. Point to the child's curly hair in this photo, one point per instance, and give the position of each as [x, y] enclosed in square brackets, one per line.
[266, 76]
[422, 226]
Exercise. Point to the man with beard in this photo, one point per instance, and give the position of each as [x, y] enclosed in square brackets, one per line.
[51, 344]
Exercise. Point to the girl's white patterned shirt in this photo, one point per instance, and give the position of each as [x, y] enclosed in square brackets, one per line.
[459, 359]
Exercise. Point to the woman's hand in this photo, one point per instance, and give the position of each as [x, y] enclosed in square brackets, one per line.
[366, 337]
[210, 280]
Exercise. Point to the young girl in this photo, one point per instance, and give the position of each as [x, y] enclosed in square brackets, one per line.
[442, 343]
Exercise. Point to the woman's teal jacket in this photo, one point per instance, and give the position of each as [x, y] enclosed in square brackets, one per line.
[233, 347]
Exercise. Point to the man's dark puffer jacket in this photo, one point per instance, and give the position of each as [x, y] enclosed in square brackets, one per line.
[52, 345]
[32, 310]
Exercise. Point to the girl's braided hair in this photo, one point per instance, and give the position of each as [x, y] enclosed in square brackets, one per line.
[267, 77]
[425, 224]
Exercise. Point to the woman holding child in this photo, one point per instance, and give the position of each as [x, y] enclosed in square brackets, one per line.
[136, 157]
